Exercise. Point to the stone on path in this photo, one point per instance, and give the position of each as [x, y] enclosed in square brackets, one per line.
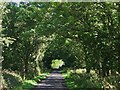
[55, 81]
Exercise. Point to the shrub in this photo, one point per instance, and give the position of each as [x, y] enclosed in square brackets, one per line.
[77, 79]
[80, 79]
[40, 77]
[11, 79]
[27, 84]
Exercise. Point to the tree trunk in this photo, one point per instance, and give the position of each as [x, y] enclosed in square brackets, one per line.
[103, 71]
[26, 68]
[26, 59]
[2, 6]
[104, 67]
[88, 70]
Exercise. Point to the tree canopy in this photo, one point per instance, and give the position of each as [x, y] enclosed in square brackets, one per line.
[83, 35]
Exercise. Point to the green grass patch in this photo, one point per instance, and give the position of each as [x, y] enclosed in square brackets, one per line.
[41, 77]
[27, 84]
[79, 79]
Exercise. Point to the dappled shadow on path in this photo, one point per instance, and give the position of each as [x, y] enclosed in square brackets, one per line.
[55, 81]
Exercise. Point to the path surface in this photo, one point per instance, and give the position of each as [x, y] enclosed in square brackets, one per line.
[55, 81]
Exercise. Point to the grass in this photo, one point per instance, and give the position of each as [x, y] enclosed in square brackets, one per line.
[27, 84]
[74, 79]
[79, 79]
[13, 81]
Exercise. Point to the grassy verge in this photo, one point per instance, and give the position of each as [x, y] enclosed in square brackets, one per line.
[79, 79]
[27, 84]
[13, 81]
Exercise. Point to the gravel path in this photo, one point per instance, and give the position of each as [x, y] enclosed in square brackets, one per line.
[55, 81]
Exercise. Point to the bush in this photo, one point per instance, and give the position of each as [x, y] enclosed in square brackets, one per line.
[27, 84]
[11, 79]
[41, 77]
[77, 79]
[80, 79]
[112, 82]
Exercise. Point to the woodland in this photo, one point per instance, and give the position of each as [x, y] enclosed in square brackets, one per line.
[84, 37]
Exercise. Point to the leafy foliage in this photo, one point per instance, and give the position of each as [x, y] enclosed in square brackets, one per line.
[56, 64]
[76, 81]
[28, 84]
[83, 35]
[11, 79]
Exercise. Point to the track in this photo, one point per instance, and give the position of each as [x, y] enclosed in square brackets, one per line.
[55, 81]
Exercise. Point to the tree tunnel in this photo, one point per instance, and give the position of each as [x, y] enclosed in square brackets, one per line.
[58, 49]
[63, 54]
